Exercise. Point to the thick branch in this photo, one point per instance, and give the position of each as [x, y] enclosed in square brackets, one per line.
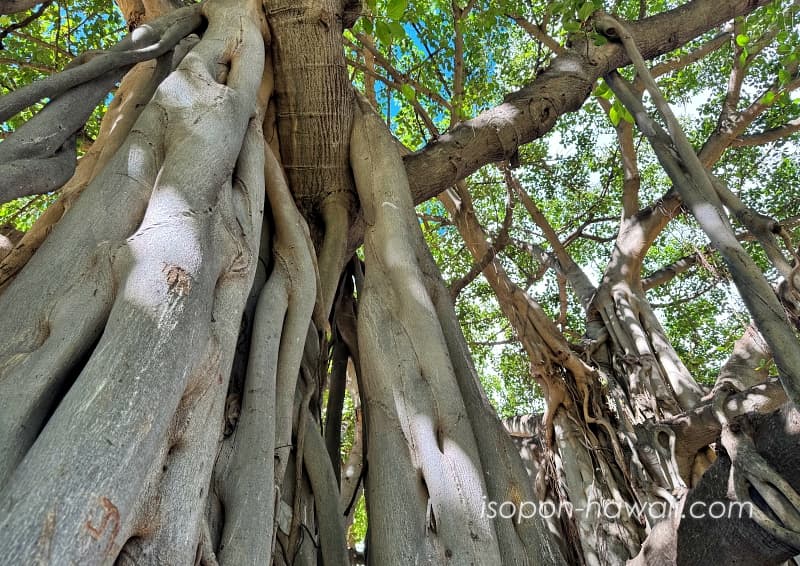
[14, 6]
[666, 274]
[692, 180]
[699, 427]
[500, 242]
[38, 157]
[693, 536]
[532, 111]
[767, 136]
[140, 45]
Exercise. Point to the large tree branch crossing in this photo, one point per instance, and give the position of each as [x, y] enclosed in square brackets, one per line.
[532, 111]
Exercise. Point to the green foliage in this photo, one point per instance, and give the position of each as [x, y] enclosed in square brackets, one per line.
[396, 8]
[23, 212]
[574, 174]
[618, 113]
[357, 533]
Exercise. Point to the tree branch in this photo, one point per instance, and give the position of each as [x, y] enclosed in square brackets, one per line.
[37, 40]
[699, 427]
[697, 189]
[691, 57]
[161, 36]
[536, 32]
[24, 22]
[668, 272]
[27, 64]
[577, 278]
[532, 111]
[457, 112]
[501, 240]
[768, 136]
[397, 87]
[398, 76]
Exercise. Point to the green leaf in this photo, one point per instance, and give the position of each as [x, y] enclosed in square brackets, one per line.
[742, 40]
[408, 91]
[618, 113]
[585, 11]
[614, 115]
[603, 91]
[397, 30]
[396, 8]
[769, 97]
[367, 23]
[572, 26]
[383, 32]
[626, 115]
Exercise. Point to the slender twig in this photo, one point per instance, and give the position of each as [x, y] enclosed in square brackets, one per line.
[24, 22]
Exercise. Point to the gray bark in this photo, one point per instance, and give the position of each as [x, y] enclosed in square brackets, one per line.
[696, 187]
[180, 280]
[115, 379]
[530, 112]
[422, 483]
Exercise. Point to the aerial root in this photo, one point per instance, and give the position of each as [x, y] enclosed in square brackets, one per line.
[133, 94]
[749, 467]
[147, 42]
[336, 216]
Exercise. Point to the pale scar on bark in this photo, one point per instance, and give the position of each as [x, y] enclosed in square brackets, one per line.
[110, 513]
[178, 280]
[46, 538]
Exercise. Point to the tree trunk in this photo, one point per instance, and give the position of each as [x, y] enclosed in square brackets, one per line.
[174, 320]
[118, 374]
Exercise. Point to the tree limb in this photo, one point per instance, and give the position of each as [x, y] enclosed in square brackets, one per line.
[532, 111]
[696, 187]
[14, 6]
[158, 38]
[768, 136]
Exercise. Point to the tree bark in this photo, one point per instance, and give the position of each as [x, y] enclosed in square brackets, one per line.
[160, 404]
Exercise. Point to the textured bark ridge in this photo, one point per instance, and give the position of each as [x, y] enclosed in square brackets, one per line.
[314, 102]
